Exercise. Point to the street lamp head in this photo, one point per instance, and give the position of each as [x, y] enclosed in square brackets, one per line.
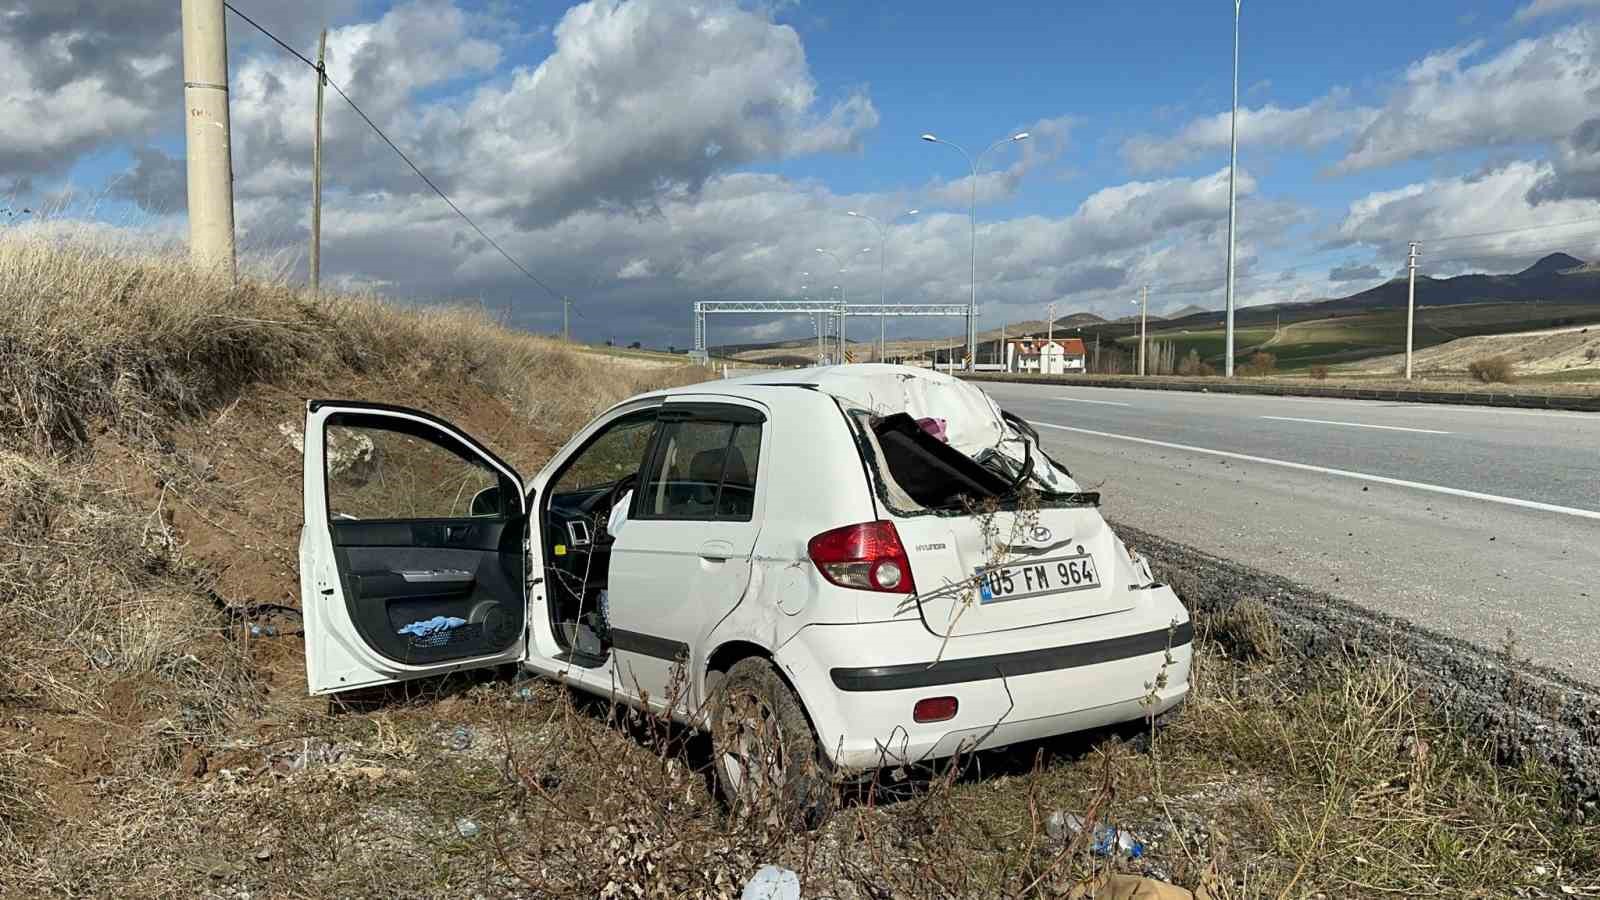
[851, 212]
[1020, 136]
[820, 250]
[911, 212]
[930, 139]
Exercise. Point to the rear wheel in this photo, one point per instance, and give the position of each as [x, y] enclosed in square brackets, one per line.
[767, 761]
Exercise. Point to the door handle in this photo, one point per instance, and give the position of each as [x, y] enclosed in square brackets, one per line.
[716, 550]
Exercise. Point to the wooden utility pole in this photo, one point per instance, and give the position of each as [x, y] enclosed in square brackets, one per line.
[207, 135]
[316, 171]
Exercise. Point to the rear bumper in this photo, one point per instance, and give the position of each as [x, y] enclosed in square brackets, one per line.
[863, 713]
[1009, 665]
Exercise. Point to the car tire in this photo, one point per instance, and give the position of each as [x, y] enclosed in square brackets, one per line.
[765, 755]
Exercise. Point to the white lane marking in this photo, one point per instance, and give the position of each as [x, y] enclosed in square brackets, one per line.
[1342, 473]
[1365, 402]
[1355, 424]
[1454, 407]
[1098, 402]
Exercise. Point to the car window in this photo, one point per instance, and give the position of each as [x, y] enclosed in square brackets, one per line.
[738, 500]
[612, 456]
[704, 470]
[386, 473]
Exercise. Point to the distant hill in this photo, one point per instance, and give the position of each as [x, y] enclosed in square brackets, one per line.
[1554, 264]
[1559, 278]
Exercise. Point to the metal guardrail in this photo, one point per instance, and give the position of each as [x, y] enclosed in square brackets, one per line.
[1520, 400]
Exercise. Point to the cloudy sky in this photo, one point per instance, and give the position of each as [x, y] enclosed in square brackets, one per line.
[641, 154]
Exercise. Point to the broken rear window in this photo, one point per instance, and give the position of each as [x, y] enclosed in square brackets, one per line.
[917, 472]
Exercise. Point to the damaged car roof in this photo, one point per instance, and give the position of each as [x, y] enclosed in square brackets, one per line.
[973, 421]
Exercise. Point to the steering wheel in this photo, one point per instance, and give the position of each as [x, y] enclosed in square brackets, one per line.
[624, 484]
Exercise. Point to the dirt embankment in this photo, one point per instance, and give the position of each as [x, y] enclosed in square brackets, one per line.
[155, 736]
[1574, 350]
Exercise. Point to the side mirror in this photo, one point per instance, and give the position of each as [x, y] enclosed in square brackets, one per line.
[486, 502]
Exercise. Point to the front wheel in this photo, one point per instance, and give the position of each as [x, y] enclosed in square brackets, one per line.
[767, 761]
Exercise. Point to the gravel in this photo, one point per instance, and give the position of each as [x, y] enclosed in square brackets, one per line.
[1528, 711]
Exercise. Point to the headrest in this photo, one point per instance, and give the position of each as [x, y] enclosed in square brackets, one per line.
[707, 466]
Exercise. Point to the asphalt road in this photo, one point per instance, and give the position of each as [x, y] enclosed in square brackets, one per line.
[1477, 523]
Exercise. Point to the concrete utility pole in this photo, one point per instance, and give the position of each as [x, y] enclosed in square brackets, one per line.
[1233, 164]
[1411, 300]
[566, 321]
[316, 170]
[1005, 358]
[1144, 306]
[1050, 329]
[205, 101]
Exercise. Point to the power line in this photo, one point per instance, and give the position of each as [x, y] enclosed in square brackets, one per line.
[275, 39]
[401, 153]
[1500, 231]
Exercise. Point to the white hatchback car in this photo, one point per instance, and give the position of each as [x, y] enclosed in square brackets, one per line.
[833, 569]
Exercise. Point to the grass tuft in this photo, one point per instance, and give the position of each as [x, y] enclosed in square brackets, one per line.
[1492, 370]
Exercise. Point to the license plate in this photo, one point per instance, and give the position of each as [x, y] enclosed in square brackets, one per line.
[1056, 575]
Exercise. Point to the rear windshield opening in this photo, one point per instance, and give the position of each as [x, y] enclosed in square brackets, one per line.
[918, 473]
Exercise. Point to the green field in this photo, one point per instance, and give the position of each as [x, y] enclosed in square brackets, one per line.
[1210, 343]
[1347, 338]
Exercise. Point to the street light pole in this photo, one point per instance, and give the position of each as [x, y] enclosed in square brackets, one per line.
[883, 251]
[840, 315]
[1233, 164]
[840, 263]
[972, 209]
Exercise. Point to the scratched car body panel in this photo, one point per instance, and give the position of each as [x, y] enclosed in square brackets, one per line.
[880, 536]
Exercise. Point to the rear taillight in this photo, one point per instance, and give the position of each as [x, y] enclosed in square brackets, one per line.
[935, 709]
[868, 557]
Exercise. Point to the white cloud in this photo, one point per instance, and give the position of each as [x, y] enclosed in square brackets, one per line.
[1314, 125]
[642, 96]
[639, 267]
[1539, 8]
[751, 235]
[85, 76]
[615, 169]
[1473, 222]
[1047, 140]
[1534, 91]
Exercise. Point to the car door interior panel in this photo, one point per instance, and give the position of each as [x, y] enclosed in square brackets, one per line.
[427, 540]
[452, 590]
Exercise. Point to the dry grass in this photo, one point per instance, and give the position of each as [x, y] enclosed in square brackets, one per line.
[143, 751]
[121, 659]
[1492, 370]
[130, 340]
[1259, 365]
